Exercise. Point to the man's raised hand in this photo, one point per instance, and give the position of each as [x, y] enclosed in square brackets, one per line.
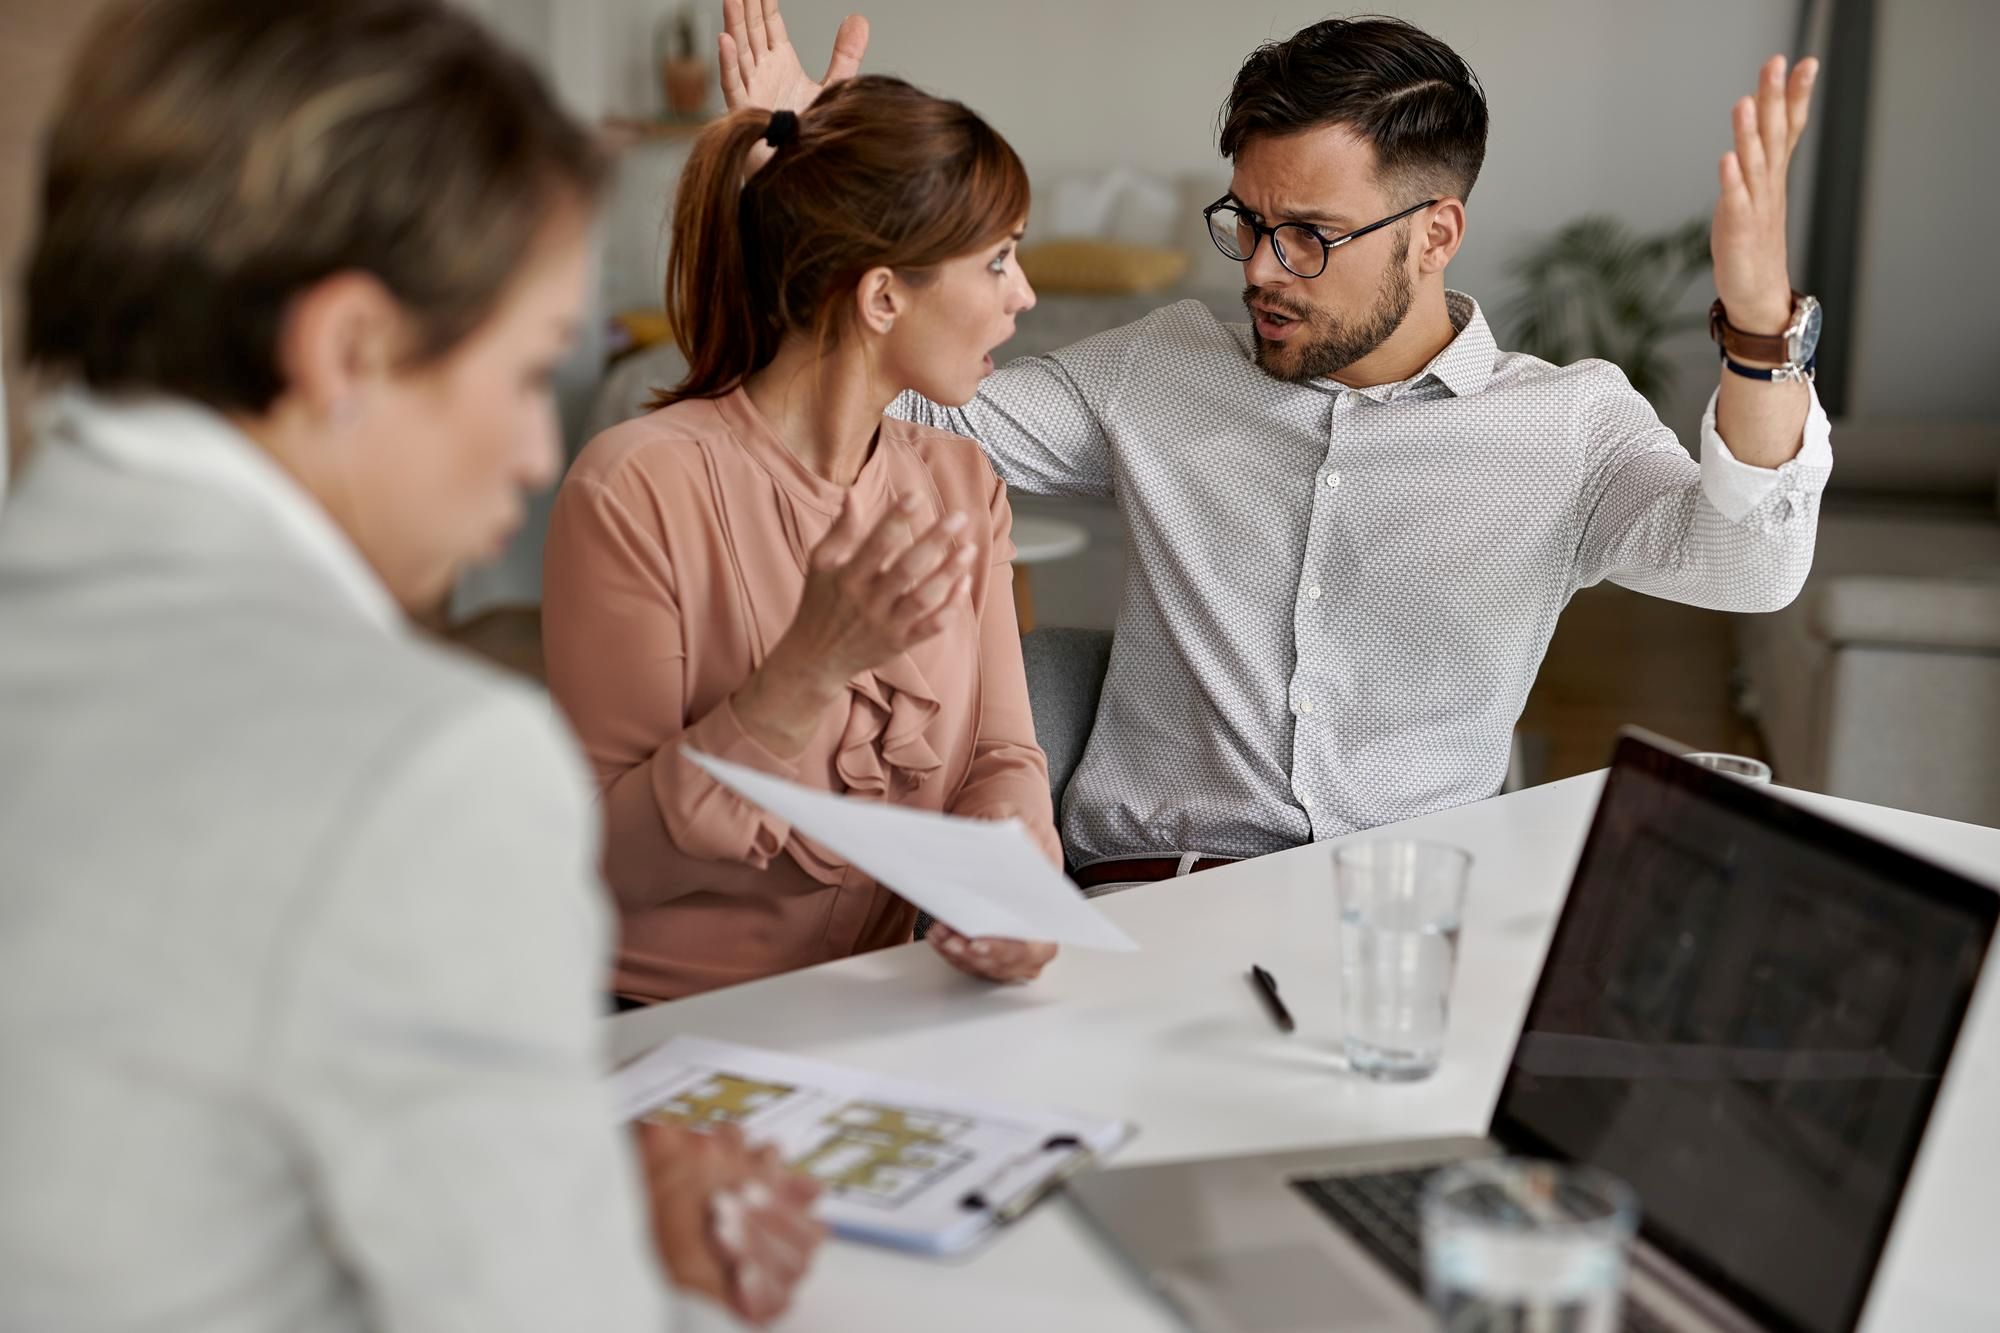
[1748, 238]
[760, 68]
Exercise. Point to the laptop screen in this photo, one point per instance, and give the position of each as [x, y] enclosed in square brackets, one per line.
[1745, 1014]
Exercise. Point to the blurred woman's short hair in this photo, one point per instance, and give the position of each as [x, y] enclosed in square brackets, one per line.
[212, 159]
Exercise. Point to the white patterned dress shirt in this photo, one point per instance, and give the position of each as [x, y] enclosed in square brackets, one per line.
[1336, 599]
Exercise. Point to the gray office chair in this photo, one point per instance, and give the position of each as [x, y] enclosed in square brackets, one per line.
[1065, 675]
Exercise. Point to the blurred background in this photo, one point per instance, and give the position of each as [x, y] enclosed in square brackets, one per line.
[1586, 237]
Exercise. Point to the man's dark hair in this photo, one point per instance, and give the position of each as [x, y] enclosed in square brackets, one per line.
[1388, 81]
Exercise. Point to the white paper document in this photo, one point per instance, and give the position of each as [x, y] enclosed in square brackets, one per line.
[978, 876]
[901, 1164]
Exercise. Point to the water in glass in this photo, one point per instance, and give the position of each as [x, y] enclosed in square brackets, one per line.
[1395, 986]
[1400, 901]
[1513, 1246]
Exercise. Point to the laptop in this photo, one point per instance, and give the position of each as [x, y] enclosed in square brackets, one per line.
[1745, 1014]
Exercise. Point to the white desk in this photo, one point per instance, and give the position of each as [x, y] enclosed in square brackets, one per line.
[1174, 1039]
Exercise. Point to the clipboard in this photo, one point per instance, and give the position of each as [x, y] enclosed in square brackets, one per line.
[904, 1165]
[1023, 1182]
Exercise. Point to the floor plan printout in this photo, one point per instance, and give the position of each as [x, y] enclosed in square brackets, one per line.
[902, 1164]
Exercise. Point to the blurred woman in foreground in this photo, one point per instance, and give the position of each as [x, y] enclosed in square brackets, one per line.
[301, 942]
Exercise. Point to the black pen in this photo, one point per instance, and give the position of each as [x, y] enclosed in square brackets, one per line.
[1267, 986]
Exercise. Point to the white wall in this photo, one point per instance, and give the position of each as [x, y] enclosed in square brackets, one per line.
[567, 39]
[1597, 107]
[1928, 331]
[1620, 108]
[1614, 107]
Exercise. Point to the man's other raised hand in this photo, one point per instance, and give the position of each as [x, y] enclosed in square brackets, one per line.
[761, 69]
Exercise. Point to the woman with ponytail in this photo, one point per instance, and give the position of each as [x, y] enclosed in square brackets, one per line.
[767, 569]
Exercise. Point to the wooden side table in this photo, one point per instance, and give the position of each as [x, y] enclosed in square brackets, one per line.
[1037, 541]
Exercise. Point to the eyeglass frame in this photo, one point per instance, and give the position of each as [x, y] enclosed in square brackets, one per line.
[1262, 229]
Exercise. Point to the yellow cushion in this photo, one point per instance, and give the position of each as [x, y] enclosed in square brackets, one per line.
[1101, 266]
[645, 327]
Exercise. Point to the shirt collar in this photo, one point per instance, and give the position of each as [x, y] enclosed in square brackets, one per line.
[171, 437]
[1465, 366]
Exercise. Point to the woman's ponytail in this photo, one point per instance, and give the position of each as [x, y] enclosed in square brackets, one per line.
[711, 306]
[874, 174]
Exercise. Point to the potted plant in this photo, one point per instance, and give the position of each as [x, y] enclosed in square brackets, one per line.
[1596, 288]
[684, 75]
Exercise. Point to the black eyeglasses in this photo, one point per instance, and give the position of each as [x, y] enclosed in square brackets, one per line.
[1236, 232]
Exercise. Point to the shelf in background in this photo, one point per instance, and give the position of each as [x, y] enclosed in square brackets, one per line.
[623, 132]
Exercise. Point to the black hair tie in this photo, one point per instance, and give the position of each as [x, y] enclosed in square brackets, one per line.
[783, 129]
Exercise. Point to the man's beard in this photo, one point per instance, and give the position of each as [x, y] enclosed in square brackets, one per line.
[1326, 344]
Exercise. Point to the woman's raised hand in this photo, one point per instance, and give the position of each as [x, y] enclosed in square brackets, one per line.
[869, 596]
[761, 69]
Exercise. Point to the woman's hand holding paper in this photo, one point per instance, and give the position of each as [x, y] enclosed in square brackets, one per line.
[989, 958]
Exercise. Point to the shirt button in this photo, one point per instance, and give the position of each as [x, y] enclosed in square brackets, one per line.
[1306, 800]
[1333, 481]
[1313, 592]
[1305, 704]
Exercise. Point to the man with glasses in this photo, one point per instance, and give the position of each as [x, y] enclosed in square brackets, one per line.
[1355, 520]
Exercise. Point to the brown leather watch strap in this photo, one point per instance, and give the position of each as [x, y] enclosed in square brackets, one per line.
[1750, 346]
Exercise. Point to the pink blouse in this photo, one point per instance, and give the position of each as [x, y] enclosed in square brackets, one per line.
[676, 559]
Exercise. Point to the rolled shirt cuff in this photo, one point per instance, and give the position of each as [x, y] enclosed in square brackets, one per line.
[1738, 489]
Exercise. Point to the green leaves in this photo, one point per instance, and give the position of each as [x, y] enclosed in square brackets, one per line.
[1597, 289]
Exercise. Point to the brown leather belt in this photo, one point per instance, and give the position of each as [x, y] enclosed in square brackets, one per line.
[1128, 869]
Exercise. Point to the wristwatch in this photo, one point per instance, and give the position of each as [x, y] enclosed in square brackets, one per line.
[1795, 348]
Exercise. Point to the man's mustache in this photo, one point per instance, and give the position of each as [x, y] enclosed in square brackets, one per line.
[1257, 296]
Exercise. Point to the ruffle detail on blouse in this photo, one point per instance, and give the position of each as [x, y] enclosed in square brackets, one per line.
[883, 753]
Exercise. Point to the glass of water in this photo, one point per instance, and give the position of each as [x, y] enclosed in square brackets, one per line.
[1400, 902]
[1517, 1246]
[1753, 771]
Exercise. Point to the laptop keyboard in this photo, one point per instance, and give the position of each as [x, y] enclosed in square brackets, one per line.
[1382, 1210]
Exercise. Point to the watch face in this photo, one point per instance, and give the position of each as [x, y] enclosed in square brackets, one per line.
[1806, 341]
